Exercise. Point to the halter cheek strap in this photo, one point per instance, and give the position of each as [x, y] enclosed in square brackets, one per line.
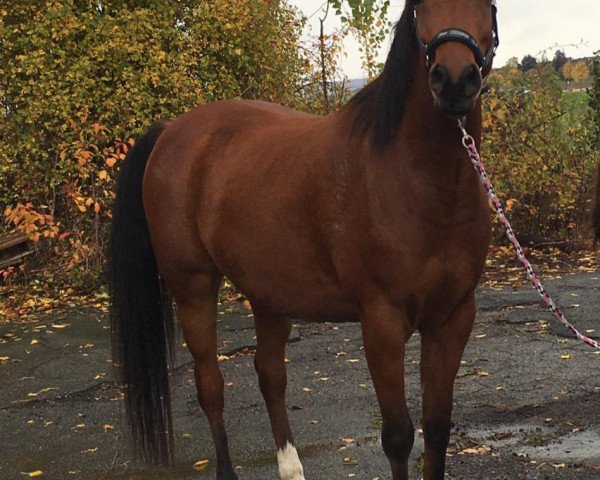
[461, 36]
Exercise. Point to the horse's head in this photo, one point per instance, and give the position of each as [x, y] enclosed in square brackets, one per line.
[458, 39]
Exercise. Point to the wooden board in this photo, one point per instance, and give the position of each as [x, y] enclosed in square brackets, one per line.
[14, 247]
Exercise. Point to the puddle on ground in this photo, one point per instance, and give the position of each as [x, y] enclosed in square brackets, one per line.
[580, 447]
[541, 443]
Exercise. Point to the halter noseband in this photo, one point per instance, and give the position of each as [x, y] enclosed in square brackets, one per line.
[461, 36]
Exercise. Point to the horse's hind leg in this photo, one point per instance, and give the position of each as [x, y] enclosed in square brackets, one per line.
[272, 333]
[441, 353]
[196, 299]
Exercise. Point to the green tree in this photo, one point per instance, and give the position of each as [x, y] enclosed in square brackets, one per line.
[367, 20]
[559, 60]
[529, 62]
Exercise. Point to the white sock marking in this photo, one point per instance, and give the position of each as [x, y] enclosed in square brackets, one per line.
[290, 467]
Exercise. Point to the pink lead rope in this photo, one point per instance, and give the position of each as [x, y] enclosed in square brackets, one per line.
[469, 143]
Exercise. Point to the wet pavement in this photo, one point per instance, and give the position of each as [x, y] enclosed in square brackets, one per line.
[527, 401]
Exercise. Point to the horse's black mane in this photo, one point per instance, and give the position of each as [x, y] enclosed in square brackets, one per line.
[379, 107]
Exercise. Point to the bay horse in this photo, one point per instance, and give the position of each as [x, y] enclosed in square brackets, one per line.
[371, 214]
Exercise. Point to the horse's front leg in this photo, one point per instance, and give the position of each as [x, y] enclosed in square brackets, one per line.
[442, 348]
[272, 332]
[385, 332]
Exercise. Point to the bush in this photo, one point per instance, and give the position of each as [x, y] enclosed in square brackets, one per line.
[80, 79]
[539, 146]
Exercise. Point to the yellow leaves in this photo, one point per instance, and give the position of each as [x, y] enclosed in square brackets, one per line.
[566, 356]
[102, 174]
[34, 342]
[30, 221]
[201, 465]
[4, 359]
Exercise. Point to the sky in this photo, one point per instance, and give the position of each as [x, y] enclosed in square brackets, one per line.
[526, 27]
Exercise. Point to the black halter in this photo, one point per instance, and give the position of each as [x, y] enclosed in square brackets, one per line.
[459, 35]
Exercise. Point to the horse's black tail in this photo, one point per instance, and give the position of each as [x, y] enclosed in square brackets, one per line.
[141, 313]
[596, 210]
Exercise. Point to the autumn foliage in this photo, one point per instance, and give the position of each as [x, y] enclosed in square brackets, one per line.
[539, 146]
[79, 80]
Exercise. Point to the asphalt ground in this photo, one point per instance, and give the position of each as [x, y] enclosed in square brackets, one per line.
[527, 399]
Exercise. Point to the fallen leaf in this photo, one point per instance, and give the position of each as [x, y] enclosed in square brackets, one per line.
[566, 357]
[33, 474]
[34, 341]
[306, 389]
[43, 390]
[107, 427]
[477, 450]
[200, 464]
[4, 359]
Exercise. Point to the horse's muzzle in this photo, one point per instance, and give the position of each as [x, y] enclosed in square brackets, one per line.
[455, 98]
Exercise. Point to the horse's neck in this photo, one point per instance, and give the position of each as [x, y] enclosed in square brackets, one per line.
[426, 133]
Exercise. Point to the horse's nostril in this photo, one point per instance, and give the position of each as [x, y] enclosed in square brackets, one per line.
[438, 78]
[471, 80]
